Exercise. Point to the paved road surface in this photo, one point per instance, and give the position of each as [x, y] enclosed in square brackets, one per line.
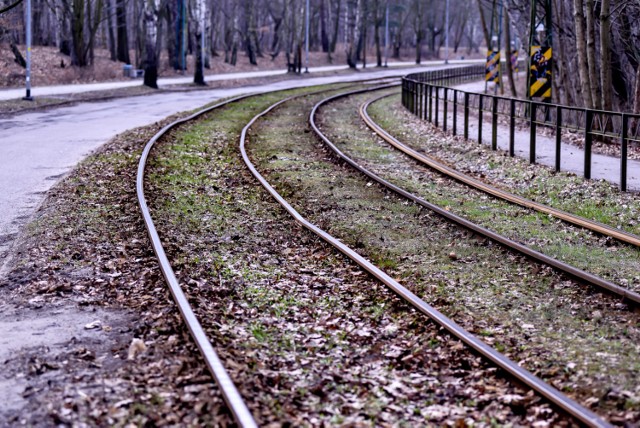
[36, 149]
[39, 91]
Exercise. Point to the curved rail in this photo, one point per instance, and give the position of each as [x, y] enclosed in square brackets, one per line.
[560, 400]
[232, 397]
[594, 226]
[589, 278]
[229, 392]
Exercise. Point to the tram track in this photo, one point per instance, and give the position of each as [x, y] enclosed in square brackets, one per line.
[229, 392]
[579, 274]
[594, 226]
[584, 415]
[574, 409]
[346, 158]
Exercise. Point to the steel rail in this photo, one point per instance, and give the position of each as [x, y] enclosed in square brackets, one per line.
[229, 391]
[592, 225]
[580, 274]
[232, 397]
[563, 402]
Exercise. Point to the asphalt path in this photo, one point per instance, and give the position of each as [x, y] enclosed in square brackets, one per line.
[603, 167]
[37, 149]
[40, 91]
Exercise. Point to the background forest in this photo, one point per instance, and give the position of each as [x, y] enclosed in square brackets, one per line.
[596, 43]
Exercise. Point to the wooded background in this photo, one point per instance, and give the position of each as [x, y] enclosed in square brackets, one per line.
[596, 43]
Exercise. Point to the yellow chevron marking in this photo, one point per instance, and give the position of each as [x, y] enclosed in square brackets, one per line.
[535, 86]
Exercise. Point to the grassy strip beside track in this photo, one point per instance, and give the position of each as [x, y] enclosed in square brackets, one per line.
[596, 200]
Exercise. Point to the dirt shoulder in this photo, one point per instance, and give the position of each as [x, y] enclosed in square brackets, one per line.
[110, 347]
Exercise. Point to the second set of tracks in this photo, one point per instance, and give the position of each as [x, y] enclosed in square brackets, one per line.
[234, 401]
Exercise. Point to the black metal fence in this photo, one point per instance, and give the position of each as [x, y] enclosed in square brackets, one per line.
[428, 96]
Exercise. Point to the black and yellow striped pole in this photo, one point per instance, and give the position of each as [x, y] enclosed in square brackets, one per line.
[492, 73]
[540, 73]
[492, 68]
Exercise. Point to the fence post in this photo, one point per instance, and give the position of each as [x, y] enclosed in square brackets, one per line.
[455, 112]
[437, 104]
[466, 115]
[512, 127]
[532, 132]
[558, 136]
[430, 102]
[480, 119]
[445, 107]
[494, 123]
[623, 152]
[413, 99]
[588, 142]
[421, 102]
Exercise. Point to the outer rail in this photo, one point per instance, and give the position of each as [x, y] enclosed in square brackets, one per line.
[587, 277]
[563, 402]
[580, 274]
[595, 226]
[230, 393]
[232, 397]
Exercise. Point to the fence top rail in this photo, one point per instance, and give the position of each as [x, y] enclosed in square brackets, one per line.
[412, 79]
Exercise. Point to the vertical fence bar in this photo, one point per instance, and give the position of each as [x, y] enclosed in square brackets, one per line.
[588, 143]
[455, 112]
[413, 98]
[494, 123]
[512, 127]
[558, 136]
[427, 94]
[437, 104]
[466, 115]
[418, 98]
[480, 119]
[532, 132]
[623, 152]
[430, 103]
[446, 107]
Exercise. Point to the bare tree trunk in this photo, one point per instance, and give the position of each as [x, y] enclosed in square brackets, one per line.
[483, 21]
[636, 92]
[583, 63]
[351, 25]
[200, 13]
[376, 31]
[112, 36]
[605, 54]
[77, 33]
[363, 31]
[591, 55]
[123, 39]
[251, 32]
[336, 28]
[151, 59]
[324, 38]
[507, 53]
